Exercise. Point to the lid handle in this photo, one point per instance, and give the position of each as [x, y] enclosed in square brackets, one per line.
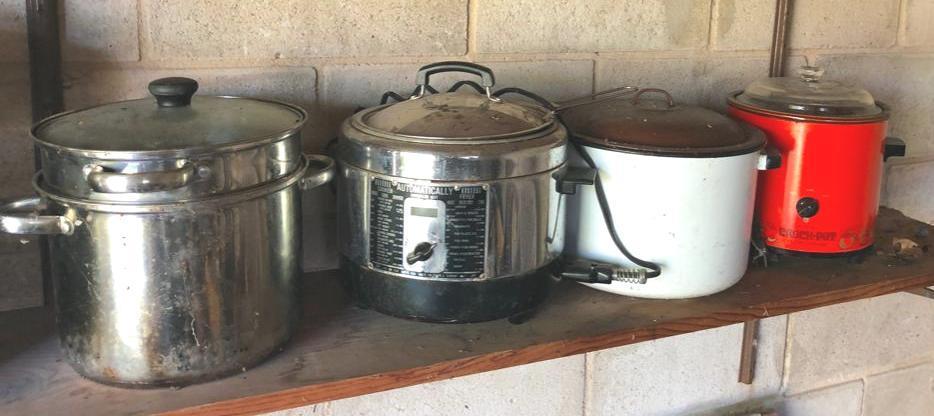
[486, 76]
[810, 73]
[173, 91]
[668, 99]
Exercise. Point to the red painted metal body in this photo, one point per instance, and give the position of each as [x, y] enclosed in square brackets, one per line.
[837, 164]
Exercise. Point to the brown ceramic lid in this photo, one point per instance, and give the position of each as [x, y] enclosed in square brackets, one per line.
[653, 123]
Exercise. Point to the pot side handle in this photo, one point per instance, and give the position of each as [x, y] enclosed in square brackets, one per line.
[20, 217]
[321, 170]
[769, 158]
[893, 147]
[106, 182]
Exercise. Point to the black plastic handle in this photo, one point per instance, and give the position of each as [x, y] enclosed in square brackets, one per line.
[173, 91]
[770, 158]
[486, 75]
[893, 147]
[569, 179]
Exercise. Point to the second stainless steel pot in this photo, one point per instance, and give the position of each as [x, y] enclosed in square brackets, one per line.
[448, 203]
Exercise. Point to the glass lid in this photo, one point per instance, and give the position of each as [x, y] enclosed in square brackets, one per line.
[809, 95]
[173, 121]
[659, 126]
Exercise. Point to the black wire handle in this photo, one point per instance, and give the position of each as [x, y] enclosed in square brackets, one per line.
[457, 85]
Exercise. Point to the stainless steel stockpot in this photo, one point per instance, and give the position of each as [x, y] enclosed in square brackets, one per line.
[448, 203]
[173, 265]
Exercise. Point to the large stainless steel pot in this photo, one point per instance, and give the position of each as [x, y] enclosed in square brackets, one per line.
[171, 264]
[448, 203]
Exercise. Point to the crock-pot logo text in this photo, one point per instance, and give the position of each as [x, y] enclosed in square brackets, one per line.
[808, 235]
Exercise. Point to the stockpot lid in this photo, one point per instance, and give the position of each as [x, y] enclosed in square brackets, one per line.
[172, 122]
[808, 95]
[454, 135]
[656, 125]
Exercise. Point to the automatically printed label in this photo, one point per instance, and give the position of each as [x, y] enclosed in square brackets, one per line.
[427, 231]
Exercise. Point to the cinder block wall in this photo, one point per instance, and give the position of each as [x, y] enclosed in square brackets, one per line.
[872, 357]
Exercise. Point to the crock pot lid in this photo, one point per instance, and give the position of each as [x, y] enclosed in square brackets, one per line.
[457, 116]
[808, 94]
[173, 121]
[655, 124]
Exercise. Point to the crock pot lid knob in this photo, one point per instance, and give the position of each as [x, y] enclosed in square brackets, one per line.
[173, 91]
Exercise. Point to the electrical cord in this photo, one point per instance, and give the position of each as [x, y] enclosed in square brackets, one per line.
[655, 269]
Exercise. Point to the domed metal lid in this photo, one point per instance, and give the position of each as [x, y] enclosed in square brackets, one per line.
[456, 117]
[173, 121]
[453, 136]
[810, 96]
[660, 127]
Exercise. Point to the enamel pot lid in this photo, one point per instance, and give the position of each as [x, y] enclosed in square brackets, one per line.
[810, 97]
[174, 122]
[652, 123]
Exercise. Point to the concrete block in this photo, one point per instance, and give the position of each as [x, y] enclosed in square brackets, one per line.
[706, 82]
[100, 30]
[297, 28]
[842, 24]
[684, 374]
[554, 387]
[742, 24]
[600, 25]
[841, 400]
[918, 30]
[906, 392]
[347, 87]
[904, 82]
[843, 342]
[13, 31]
[903, 181]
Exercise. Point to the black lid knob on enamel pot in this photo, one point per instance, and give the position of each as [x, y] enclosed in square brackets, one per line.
[173, 91]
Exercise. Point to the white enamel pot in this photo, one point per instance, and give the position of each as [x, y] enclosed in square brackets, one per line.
[683, 203]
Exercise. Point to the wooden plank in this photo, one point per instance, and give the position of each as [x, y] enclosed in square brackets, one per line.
[342, 351]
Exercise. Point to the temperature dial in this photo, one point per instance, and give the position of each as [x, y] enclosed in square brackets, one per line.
[421, 252]
[807, 207]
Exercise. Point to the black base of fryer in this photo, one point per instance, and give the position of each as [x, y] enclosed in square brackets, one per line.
[856, 256]
[448, 301]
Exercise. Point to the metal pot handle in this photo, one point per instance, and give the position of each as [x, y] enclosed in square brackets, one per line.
[769, 158]
[16, 219]
[143, 182]
[668, 98]
[486, 76]
[320, 171]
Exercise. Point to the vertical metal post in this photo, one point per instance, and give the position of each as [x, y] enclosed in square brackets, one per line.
[45, 77]
[747, 360]
[779, 32]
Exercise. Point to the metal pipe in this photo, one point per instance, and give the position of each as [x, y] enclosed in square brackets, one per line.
[779, 32]
[46, 95]
[747, 360]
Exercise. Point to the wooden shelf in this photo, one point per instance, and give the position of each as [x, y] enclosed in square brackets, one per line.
[342, 351]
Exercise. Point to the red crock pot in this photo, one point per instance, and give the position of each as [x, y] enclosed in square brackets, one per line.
[824, 198]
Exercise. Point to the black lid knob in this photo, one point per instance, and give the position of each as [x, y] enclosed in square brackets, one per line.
[173, 91]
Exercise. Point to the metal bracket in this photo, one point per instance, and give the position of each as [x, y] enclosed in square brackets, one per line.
[927, 292]
[747, 356]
